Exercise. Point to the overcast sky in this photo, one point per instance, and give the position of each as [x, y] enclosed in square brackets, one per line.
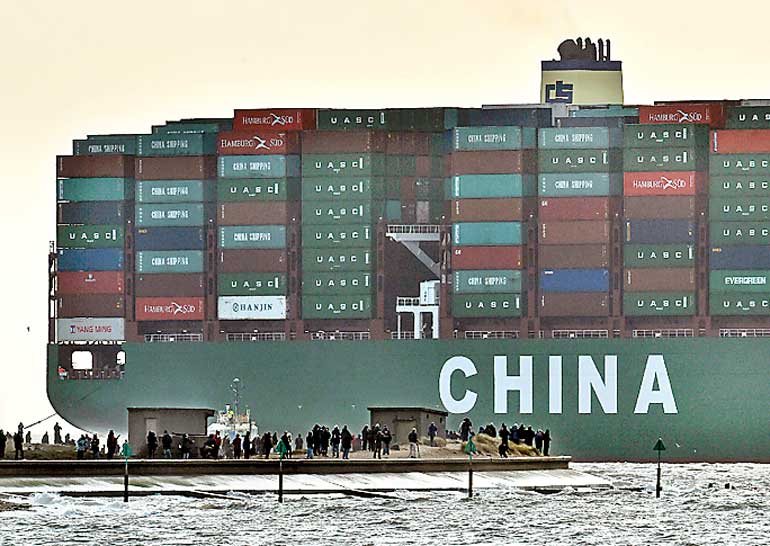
[72, 68]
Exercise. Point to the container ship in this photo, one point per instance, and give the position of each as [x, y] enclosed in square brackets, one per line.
[581, 265]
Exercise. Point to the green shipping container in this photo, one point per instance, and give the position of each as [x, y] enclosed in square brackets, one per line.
[169, 261]
[95, 189]
[665, 159]
[258, 189]
[751, 280]
[660, 256]
[337, 307]
[173, 215]
[92, 236]
[486, 233]
[270, 236]
[739, 233]
[345, 236]
[415, 119]
[658, 304]
[739, 209]
[739, 186]
[334, 189]
[393, 210]
[747, 164]
[330, 213]
[664, 136]
[337, 260]
[580, 184]
[748, 117]
[174, 191]
[105, 145]
[580, 161]
[392, 187]
[400, 165]
[340, 120]
[484, 281]
[338, 284]
[487, 305]
[258, 166]
[481, 186]
[339, 165]
[172, 144]
[493, 138]
[579, 137]
[251, 284]
[738, 304]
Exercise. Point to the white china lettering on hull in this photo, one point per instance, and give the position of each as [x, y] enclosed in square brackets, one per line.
[505, 383]
[589, 380]
[655, 370]
[468, 401]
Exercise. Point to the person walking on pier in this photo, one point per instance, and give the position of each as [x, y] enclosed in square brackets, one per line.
[57, 434]
[286, 441]
[95, 446]
[267, 444]
[336, 442]
[539, 440]
[28, 438]
[299, 443]
[247, 445]
[18, 446]
[346, 441]
[364, 437]
[504, 435]
[465, 429]
[3, 440]
[386, 438]
[44, 440]
[166, 441]
[377, 442]
[413, 443]
[237, 446]
[185, 446]
[152, 444]
[546, 442]
[432, 430]
[112, 444]
[529, 435]
[81, 446]
[326, 437]
[309, 446]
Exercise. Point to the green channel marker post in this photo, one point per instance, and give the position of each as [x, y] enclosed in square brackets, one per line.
[658, 447]
[126, 452]
[470, 449]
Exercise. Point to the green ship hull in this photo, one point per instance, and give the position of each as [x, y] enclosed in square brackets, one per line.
[603, 400]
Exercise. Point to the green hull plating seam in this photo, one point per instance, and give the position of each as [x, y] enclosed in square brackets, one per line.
[601, 399]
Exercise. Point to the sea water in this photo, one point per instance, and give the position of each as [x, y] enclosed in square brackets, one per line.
[695, 508]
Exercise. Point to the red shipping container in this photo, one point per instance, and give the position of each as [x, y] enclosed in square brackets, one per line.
[95, 166]
[91, 305]
[252, 261]
[408, 189]
[708, 113]
[574, 208]
[664, 183]
[581, 232]
[93, 282]
[656, 207]
[166, 284]
[491, 162]
[258, 142]
[574, 304]
[508, 209]
[343, 142]
[280, 119]
[487, 257]
[169, 309]
[741, 141]
[573, 257]
[255, 213]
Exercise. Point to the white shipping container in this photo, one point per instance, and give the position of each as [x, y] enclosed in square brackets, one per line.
[251, 307]
[91, 329]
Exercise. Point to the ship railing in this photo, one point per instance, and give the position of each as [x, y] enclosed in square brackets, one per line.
[579, 334]
[492, 334]
[173, 338]
[340, 336]
[664, 332]
[403, 335]
[257, 336]
[100, 374]
[744, 332]
[414, 228]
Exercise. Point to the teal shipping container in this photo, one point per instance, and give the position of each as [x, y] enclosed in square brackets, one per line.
[341, 307]
[258, 189]
[175, 191]
[341, 212]
[739, 185]
[739, 209]
[105, 145]
[334, 189]
[665, 159]
[486, 233]
[748, 164]
[176, 144]
[341, 260]
[493, 138]
[271, 236]
[178, 214]
[579, 160]
[340, 120]
[739, 280]
[337, 236]
[331, 284]
[487, 305]
[580, 184]
[739, 233]
[484, 281]
[169, 261]
[580, 137]
[343, 165]
[94, 189]
[662, 136]
[482, 186]
[258, 166]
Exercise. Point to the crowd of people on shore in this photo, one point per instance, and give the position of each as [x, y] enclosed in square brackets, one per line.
[517, 434]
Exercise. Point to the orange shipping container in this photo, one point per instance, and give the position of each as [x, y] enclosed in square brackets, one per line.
[674, 207]
[278, 119]
[664, 183]
[255, 213]
[708, 113]
[487, 257]
[742, 141]
[574, 208]
[258, 142]
[487, 210]
[581, 232]
[672, 279]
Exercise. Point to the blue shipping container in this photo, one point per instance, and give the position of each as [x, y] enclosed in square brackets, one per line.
[660, 231]
[96, 212]
[739, 257]
[92, 259]
[575, 280]
[170, 238]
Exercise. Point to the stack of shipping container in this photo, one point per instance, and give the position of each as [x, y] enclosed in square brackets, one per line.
[343, 173]
[580, 171]
[95, 199]
[492, 188]
[665, 183]
[739, 214]
[257, 216]
[175, 170]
